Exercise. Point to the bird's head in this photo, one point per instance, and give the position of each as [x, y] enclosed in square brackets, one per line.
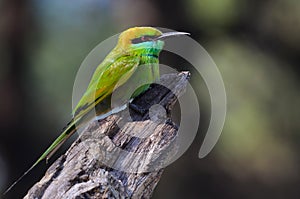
[144, 39]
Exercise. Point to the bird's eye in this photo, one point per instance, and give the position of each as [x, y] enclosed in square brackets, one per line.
[143, 38]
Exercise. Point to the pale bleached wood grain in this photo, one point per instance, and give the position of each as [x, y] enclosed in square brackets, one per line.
[81, 173]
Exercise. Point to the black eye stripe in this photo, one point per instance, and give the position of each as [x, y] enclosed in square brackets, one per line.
[143, 39]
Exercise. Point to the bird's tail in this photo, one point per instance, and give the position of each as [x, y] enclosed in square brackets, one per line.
[69, 130]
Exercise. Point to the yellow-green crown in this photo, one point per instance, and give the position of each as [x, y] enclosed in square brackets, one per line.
[128, 36]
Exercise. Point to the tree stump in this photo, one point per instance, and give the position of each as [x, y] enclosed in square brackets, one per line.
[116, 157]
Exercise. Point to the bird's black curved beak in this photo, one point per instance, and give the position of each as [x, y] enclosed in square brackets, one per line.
[171, 34]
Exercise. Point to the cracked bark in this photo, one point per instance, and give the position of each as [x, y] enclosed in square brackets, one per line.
[116, 157]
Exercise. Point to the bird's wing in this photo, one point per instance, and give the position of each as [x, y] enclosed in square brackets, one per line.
[114, 75]
[112, 57]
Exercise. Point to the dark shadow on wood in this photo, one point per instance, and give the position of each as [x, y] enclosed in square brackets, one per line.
[121, 156]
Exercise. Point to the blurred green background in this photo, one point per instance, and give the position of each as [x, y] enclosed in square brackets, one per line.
[255, 44]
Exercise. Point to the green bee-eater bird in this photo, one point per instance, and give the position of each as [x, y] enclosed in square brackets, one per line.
[136, 47]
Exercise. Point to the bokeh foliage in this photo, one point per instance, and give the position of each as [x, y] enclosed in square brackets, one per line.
[255, 44]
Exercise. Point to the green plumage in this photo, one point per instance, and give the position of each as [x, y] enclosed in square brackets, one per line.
[134, 58]
[115, 70]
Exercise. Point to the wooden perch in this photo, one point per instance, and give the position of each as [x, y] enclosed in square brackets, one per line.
[116, 157]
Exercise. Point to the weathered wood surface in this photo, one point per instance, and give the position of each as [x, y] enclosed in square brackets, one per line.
[117, 158]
